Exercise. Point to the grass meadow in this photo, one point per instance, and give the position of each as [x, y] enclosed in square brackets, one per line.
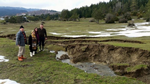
[43, 68]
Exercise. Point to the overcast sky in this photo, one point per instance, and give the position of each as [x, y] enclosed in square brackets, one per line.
[57, 5]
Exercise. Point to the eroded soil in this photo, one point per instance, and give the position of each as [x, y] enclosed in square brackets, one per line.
[94, 51]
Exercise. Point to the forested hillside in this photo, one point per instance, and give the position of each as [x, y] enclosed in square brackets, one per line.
[113, 8]
[6, 11]
[112, 11]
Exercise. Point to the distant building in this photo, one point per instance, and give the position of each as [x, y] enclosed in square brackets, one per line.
[1, 18]
[22, 14]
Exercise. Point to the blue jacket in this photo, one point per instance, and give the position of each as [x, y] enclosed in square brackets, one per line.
[20, 39]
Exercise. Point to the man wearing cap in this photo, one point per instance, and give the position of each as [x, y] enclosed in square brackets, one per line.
[42, 36]
[21, 40]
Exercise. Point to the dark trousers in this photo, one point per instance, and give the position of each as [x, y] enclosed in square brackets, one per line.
[41, 42]
[31, 50]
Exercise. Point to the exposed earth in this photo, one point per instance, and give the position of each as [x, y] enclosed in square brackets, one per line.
[124, 61]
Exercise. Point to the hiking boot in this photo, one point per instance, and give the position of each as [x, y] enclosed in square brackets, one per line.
[23, 57]
[20, 59]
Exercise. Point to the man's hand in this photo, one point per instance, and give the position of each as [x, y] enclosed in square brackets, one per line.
[45, 38]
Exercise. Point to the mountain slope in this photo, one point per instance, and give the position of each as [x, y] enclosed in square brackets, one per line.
[40, 12]
[8, 11]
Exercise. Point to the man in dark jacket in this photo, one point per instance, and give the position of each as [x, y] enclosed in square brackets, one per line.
[21, 40]
[42, 36]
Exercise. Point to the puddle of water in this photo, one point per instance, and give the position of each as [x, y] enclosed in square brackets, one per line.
[2, 59]
[74, 36]
[7, 81]
[88, 67]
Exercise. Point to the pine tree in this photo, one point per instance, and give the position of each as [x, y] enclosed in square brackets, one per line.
[97, 14]
[133, 6]
[147, 14]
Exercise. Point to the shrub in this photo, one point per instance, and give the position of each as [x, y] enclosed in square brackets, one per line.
[123, 20]
[110, 18]
[147, 19]
[139, 15]
[134, 13]
[116, 19]
[92, 20]
[3, 22]
[127, 16]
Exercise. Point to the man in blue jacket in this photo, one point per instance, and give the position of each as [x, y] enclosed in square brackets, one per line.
[21, 40]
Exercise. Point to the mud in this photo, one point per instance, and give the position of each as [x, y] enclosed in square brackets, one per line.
[88, 67]
[109, 54]
[92, 51]
[10, 36]
[78, 41]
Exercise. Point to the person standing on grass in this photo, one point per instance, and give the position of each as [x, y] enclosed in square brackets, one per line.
[21, 40]
[32, 43]
[42, 37]
[37, 36]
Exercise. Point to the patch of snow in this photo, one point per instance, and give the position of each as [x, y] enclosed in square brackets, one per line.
[52, 51]
[54, 33]
[7, 81]
[74, 36]
[95, 32]
[2, 59]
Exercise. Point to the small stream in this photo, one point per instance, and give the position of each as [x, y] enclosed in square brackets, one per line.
[88, 67]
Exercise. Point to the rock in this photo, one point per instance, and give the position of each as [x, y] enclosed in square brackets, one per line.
[64, 56]
[92, 20]
[131, 24]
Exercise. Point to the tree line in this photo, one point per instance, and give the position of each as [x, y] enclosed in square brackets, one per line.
[109, 11]
[26, 18]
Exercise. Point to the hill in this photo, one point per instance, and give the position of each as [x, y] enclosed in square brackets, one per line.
[40, 12]
[8, 11]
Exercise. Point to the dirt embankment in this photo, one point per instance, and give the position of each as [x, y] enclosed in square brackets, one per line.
[11, 36]
[74, 40]
[107, 53]
[130, 58]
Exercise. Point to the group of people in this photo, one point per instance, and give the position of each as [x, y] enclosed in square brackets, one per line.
[37, 37]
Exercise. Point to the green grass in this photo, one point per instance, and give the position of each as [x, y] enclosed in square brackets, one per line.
[45, 69]
[134, 45]
[55, 47]
[68, 27]
[120, 64]
[137, 67]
